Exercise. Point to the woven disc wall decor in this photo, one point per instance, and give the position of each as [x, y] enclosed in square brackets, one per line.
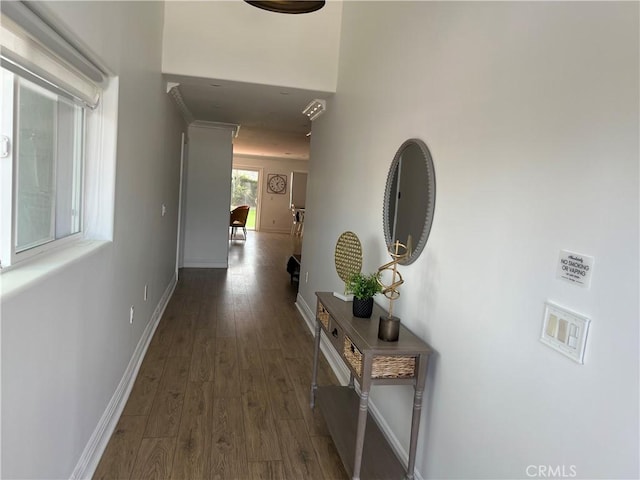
[348, 255]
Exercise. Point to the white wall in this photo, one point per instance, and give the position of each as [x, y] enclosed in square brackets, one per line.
[275, 215]
[66, 339]
[530, 111]
[207, 197]
[232, 40]
[298, 189]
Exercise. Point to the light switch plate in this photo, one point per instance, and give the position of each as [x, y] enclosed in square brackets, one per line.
[565, 331]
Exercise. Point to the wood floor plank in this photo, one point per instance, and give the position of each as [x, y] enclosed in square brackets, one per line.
[313, 418]
[242, 298]
[207, 315]
[328, 458]
[203, 358]
[176, 303]
[145, 387]
[119, 456]
[266, 329]
[252, 379]
[226, 382]
[154, 460]
[164, 418]
[161, 341]
[300, 371]
[226, 325]
[299, 457]
[183, 336]
[266, 471]
[279, 387]
[250, 362]
[192, 304]
[228, 446]
[246, 323]
[325, 374]
[193, 297]
[294, 343]
[193, 445]
[260, 429]
[249, 351]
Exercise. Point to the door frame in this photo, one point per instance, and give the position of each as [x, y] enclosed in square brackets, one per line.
[181, 196]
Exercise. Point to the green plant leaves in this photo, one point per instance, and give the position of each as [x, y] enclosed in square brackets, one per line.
[363, 286]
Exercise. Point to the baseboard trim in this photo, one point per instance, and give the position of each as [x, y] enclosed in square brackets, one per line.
[276, 230]
[192, 264]
[342, 373]
[88, 462]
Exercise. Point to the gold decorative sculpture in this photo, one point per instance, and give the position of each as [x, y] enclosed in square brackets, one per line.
[389, 327]
[348, 258]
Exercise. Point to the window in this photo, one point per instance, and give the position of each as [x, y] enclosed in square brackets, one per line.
[45, 102]
[47, 157]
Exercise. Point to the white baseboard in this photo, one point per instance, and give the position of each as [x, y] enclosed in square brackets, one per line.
[342, 372]
[88, 462]
[197, 264]
[276, 230]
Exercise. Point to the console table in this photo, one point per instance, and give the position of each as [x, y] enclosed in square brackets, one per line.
[363, 449]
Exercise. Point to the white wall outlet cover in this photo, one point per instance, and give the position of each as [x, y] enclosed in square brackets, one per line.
[565, 331]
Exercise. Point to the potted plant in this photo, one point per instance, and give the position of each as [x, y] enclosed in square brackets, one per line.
[363, 287]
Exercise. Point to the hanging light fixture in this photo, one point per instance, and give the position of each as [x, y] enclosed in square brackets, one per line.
[315, 108]
[288, 6]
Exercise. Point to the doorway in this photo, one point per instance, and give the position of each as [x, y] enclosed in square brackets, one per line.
[245, 183]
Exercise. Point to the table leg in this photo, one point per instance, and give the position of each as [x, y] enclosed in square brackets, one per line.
[314, 375]
[415, 424]
[362, 424]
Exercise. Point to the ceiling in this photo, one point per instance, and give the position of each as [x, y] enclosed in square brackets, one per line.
[270, 118]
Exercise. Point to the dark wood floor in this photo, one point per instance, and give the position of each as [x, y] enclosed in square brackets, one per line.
[223, 391]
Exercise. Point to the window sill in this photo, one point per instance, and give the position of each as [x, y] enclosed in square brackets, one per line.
[27, 274]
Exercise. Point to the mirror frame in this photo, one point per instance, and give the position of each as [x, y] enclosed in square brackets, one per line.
[431, 186]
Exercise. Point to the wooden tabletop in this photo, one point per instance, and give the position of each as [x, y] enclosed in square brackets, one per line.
[364, 331]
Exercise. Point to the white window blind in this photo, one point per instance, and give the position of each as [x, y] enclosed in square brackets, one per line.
[31, 48]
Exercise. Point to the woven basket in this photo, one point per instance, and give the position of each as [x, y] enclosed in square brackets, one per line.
[352, 355]
[323, 316]
[393, 367]
[383, 366]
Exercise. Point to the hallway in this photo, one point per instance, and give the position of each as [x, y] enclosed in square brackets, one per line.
[223, 391]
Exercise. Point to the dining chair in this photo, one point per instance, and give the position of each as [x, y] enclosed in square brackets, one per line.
[238, 219]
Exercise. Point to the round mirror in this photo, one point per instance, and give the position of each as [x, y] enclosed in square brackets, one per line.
[410, 198]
